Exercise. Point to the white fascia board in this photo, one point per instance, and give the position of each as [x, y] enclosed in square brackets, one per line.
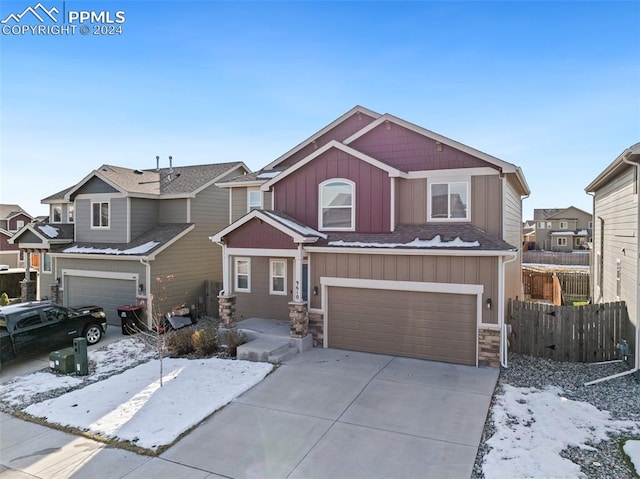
[240, 183]
[452, 173]
[43, 245]
[215, 180]
[96, 173]
[393, 172]
[315, 136]
[274, 253]
[94, 256]
[419, 286]
[100, 274]
[24, 229]
[295, 236]
[505, 166]
[411, 252]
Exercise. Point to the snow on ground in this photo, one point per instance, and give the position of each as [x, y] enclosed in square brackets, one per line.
[533, 426]
[133, 407]
[632, 449]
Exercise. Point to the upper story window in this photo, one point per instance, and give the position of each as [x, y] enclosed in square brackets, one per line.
[564, 225]
[46, 263]
[254, 199]
[337, 211]
[56, 214]
[449, 201]
[590, 225]
[70, 214]
[19, 224]
[549, 225]
[540, 225]
[100, 214]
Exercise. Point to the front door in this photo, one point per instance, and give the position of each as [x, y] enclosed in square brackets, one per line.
[305, 281]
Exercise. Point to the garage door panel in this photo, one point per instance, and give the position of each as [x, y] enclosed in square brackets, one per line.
[104, 292]
[437, 326]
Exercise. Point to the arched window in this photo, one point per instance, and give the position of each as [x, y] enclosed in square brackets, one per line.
[337, 210]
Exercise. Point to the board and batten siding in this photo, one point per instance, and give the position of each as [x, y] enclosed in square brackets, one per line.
[144, 216]
[616, 208]
[117, 230]
[297, 194]
[433, 269]
[259, 303]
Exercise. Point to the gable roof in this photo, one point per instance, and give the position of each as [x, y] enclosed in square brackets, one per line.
[631, 154]
[300, 233]
[561, 214]
[57, 233]
[8, 211]
[182, 181]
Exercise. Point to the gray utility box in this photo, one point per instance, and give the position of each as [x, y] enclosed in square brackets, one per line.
[80, 356]
[63, 360]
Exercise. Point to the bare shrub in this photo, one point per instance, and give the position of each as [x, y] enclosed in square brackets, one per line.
[232, 339]
[204, 341]
[179, 343]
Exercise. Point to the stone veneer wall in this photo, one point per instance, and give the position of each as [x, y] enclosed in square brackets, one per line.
[489, 347]
[316, 328]
[227, 310]
[299, 319]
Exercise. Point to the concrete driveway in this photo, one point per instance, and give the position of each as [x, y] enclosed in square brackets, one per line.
[323, 414]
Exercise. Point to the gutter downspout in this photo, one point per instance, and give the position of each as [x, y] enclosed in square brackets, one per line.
[503, 326]
[225, 270]
[637, 348]
[145, 262]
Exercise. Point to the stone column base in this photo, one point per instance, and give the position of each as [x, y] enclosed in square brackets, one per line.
[489, 347]
[227, 310]
[299, 318]
[27, 290]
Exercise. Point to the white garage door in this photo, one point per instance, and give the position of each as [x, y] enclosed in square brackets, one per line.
[434, 326]
[110, 294]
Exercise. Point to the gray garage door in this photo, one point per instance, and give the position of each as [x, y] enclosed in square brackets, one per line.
[435, 326]
[108, 293]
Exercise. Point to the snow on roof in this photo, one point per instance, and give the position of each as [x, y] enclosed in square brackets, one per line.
[435, 242]
[268, 174]
[143, 248]
[49, 230]
[569, 233]
[303, 230]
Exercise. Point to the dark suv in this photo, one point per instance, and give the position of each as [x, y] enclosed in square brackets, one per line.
[42, 326]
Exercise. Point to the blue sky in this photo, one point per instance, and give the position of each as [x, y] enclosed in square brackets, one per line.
[553, 87]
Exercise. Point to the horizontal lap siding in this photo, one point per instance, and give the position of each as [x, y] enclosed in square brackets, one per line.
[297, 194]
[432, 326]
[259, 302]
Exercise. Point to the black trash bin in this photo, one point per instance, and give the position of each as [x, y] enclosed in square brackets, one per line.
[130, 318]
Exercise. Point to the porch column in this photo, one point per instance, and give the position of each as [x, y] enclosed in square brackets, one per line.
[226, 270]
[227, 309]
[297, 276]
[27, 286]
[299, 318]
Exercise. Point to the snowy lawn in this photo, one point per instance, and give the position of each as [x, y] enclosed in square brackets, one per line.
[533, 426]
[122, 400]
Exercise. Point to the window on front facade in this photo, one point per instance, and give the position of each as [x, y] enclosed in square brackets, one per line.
[562, 242]
[100, 215]
[541, 225]
[70, 214]
[46, 263]
[449, 201]
[57, 214]
[337, 210]
[564, 225]
[19, 224]
[278, 282]
[254, 200]
[243, 274]
[549, 225]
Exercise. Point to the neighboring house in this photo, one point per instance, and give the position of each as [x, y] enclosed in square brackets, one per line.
[390, 238]
[113, 235]
[562, 229]
[616, 266]
[12, 218]
[528, 235]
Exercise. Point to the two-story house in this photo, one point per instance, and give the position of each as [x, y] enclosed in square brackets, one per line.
[389, 237]
[615, 265]
[114, 235]
[562, 229]
[12, 218]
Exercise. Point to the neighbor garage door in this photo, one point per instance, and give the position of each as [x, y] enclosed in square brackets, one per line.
[107, 293]
[435, 326]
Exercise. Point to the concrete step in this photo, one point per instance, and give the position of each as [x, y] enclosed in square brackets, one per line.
[263, 348]
[284, 355]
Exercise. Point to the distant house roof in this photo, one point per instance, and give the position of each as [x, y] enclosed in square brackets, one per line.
[544, 213]
[45, 233]
[631, 154]
[8, 211]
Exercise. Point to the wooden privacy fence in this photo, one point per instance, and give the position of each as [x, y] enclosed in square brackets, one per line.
[550, 257]
[568, 286]
[587, 334]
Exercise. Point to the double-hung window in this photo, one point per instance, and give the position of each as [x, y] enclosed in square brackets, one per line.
[242, 280]
[70, 214]
[56, 212]
[337, 209]
[100, 214]
[254, 199]
[278, 280]
[564, 225]
[562, 242]
[449, 201]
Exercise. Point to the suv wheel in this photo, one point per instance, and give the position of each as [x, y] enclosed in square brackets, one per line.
[93, 333]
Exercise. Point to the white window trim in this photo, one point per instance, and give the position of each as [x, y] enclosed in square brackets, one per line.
[43, 263]
[448, 181]
[71, 208]
[561, 241]
[540, 225]
[19, 224]
[53, 216]
[564, 225]
[271, 276]
[549, 225]
[254, 190]
[235, 275]
[353, 204]
[108, 202]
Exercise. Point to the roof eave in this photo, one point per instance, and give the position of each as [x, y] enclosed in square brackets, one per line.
[613, 167]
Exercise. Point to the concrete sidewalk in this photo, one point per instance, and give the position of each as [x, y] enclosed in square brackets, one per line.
[325, 413]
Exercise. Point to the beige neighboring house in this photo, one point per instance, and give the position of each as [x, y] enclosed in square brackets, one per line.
[560, 230]
[114, 233]
[616, 262]
[12, 218]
